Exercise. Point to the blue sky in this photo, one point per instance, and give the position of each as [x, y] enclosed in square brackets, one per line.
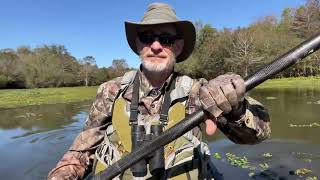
[96, 27]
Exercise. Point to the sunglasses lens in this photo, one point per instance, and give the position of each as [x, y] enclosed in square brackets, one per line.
[164, 39]
[146, 38]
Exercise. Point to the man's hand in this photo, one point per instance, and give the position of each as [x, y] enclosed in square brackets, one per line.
[221, 96]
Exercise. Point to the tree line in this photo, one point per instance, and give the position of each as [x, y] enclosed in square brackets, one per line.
[53, 66]
[241, 50]
[244, 49]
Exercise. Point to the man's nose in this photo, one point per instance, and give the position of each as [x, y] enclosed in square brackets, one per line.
[156, 47]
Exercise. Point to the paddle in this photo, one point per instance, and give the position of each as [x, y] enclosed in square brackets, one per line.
[291, 57]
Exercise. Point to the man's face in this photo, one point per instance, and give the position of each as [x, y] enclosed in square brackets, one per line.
[158, 45]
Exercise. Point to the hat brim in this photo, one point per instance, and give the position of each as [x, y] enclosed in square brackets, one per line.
[184, 28]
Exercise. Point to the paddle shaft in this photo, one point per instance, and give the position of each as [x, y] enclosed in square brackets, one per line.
[291, 57]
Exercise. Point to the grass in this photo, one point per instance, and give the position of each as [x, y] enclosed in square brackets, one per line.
[298, 82]
[24, 97]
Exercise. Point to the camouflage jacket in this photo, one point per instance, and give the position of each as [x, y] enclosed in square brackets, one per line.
[250, 128]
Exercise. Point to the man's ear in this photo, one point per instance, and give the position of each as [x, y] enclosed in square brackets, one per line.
[178, 47]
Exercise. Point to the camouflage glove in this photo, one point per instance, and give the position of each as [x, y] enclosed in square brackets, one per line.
[223, 95]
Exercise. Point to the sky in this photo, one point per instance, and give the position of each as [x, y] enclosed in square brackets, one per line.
[96, 27]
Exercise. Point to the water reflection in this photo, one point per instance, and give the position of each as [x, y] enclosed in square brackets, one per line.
[45, 117]
[34, 138]
[291, 107]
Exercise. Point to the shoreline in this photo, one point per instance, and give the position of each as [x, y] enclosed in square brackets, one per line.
[14, 98]
[292, 82]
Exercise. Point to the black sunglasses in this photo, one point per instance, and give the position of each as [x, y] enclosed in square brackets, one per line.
[164, 38]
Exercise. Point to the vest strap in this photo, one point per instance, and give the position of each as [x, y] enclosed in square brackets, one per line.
[167, 102]
[134, 102]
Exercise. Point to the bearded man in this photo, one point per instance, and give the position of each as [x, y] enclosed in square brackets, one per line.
[132, 109]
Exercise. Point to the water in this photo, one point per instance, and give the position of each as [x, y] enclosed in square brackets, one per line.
[34, 138]
[295, 142]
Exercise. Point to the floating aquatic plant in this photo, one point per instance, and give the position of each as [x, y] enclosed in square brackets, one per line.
[238, 161]
[312, 178]
[302, 171]
[305, 155]
[216, 155]
[267, 155]
[250, 174]
[314, 124]
[243, 162]
[307, 160]
[271, 98]
[264, 166]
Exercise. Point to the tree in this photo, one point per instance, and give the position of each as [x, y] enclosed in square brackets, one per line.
[118, 67]
[119, 64]
[307, 19]
[9, 67]
[286, 22]
[204, 59]
[87, 63]
[242, 51]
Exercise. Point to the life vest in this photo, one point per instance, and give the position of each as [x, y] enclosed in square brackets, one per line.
[181, 159]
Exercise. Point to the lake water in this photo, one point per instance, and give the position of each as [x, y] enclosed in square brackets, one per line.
[34, 138]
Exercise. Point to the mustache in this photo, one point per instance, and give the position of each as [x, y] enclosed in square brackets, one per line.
[157, 56]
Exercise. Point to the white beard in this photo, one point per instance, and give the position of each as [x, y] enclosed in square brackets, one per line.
[158, 67]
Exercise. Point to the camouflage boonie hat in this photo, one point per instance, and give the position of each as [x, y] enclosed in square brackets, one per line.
[160, 13]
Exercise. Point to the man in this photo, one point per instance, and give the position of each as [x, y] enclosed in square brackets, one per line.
[156, 96]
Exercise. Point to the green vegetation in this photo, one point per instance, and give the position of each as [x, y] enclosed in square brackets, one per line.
[255, 169]
[244, 49]
[297, 82]
[312, 178]
[25, 97]
[216, 155]
[302, 171]
[310, 125]
[264, 166]
[267, 155]
[52, 66]
[238, 161]
[216, 52]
